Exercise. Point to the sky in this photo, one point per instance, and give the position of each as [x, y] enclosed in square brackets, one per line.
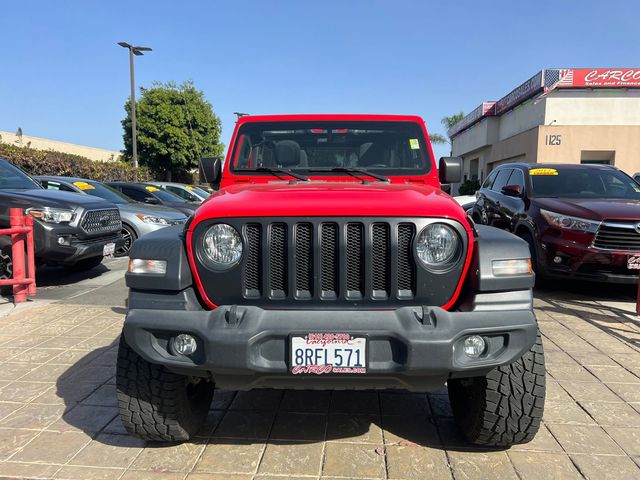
[63, 77]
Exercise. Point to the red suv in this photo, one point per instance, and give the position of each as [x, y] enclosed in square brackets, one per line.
[331, 259]
[581, 221]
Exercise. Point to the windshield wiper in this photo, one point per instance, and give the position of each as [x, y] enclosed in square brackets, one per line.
[278, 171]
[354, 172]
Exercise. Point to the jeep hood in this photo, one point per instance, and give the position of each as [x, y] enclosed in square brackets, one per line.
[593, 208]
[329, 199]
[39, 197]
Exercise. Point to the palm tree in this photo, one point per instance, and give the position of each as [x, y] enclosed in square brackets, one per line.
[447, 123]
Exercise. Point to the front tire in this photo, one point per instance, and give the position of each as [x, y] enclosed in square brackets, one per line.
[504, 407]
[157, 404]
[129, 236]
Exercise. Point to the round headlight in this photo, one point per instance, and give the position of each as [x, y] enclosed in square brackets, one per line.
[222, 246]
[437, 245]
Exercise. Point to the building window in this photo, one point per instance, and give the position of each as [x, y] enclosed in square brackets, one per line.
[597, 157]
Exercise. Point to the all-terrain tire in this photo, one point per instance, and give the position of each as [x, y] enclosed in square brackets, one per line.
[504, 407]
[157, 404]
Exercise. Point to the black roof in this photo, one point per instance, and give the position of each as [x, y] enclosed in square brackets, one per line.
[572, 166]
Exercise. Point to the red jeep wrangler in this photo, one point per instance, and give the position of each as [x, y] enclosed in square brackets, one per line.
[331, 259]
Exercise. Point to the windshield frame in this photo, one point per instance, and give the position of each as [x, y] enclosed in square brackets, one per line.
[570, 168]
[324, 171]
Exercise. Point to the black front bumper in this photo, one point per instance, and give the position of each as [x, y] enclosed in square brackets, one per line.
[48, 250]
[415, 348]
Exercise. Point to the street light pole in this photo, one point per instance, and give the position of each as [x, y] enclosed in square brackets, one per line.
[133, 51]
[134, 139]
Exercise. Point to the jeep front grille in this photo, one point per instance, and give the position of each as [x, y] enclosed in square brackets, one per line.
[101, 221]
[328, 262]
[318, 268]
[618, 236]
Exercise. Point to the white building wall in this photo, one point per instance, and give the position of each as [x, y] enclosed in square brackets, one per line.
[593, 107]
[522, 118]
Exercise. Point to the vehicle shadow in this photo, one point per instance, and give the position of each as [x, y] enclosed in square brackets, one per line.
[273, 416]
[47, 276]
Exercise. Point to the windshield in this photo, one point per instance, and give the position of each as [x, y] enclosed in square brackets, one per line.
[12, 178]
[385, 147]
[164, 195]
[583, 183]
[198, 191]
[103, 191]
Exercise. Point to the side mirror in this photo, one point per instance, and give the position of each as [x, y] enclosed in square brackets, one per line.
[450, 169]
[210, 170]
[512, 190]
[151, 200]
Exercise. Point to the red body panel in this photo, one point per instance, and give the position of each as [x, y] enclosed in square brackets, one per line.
[328, 196]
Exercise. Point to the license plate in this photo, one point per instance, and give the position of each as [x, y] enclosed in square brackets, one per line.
[109, 249]
[633, 262]
[324, 353]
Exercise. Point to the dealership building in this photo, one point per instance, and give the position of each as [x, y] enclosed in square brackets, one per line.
[560, 115]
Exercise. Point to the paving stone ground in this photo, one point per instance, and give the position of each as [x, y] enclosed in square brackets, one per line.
[58, 412]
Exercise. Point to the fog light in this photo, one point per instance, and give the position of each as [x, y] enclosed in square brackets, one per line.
[557, 259]
[60, 240]
[185, 344]
[474, 346]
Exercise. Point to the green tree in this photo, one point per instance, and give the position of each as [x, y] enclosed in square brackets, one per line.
[447, 123]
[450, 121]
[437, 139]
[176, 126]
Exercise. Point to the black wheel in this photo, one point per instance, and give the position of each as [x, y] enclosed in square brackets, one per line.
[533, 251]
[86, 264]
[6, 264]
[6, 270]
[129, 236]
[156, 404]
[504, 407]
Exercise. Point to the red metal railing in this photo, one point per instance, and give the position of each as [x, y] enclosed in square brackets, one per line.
[24, 269]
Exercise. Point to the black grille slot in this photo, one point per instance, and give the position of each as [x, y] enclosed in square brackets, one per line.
[101, 221]
[355, 260]
[304, 260]
[278, 260]
[380, 251]
[329, 260]
[406, 265]
[253, 266]
[618, 237]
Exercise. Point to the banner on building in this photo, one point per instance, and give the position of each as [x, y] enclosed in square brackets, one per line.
[591, 77]
[484, 110]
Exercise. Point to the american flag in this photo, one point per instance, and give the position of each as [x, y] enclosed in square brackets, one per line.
[558, 77]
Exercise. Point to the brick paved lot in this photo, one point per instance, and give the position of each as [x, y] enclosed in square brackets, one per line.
[58, 414]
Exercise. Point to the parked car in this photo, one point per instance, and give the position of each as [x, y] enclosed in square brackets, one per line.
[190, 193]
[580, 221]
[153, 195]
[330, 258]
[636, 177]
[465, 201]
[70, 230]
[137, 218]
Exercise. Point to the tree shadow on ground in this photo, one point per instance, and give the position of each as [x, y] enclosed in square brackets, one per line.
[588, 302]
[272, 416]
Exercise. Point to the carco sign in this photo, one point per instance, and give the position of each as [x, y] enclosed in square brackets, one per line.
[606, 77]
